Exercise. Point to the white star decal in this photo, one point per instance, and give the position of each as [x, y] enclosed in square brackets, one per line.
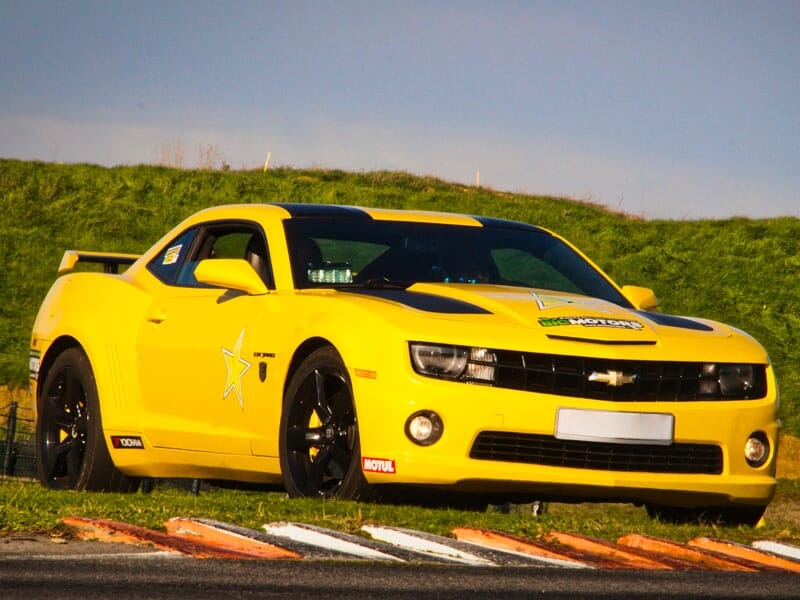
[237, 367]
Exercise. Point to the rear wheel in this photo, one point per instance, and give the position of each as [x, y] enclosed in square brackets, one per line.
[71, 452]
[719, 515]
[319, 448]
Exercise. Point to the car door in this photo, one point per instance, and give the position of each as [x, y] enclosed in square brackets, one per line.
[195, 349]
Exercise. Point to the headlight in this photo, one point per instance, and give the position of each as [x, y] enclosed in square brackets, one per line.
[445, 361]
[453, 362]
[735, 380]
[730, 381]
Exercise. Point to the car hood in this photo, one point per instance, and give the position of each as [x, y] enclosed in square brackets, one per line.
[553, 314]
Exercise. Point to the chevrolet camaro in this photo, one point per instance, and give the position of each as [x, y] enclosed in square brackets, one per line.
[359, 353]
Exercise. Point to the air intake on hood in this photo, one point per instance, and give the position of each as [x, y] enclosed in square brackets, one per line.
[569, 338]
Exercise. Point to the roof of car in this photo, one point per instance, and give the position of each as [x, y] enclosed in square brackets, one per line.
[332, 211]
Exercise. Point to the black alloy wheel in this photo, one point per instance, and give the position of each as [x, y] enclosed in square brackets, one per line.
[70, 450]
[319, 449]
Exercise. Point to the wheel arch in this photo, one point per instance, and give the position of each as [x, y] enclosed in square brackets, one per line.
[55, 349]
[302, 352]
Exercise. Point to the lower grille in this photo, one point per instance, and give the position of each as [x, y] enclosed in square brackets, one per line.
[642, 458]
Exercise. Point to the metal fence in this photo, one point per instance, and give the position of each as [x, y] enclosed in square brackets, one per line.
[17, 451]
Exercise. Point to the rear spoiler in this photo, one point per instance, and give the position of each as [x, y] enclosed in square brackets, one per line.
[111, 261]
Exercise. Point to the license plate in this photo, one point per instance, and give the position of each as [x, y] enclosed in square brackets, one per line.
[615, 427]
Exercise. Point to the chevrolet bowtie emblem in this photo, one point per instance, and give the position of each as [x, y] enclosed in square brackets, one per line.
[615, 378]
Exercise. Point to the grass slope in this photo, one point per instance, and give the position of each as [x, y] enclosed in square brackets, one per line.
[740, 271]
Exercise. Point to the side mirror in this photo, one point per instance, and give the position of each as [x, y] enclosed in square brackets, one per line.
[230, 273]
[641, 298]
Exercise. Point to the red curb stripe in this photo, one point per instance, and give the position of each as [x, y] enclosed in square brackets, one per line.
[702, 558]
[766, 560]
[505, 541]
[113, 531]
[626, 557]
[189, 529]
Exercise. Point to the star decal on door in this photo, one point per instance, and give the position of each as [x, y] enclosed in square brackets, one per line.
[237, 367]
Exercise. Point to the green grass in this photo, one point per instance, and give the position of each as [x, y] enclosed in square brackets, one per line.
[26, 506]
[740, 271]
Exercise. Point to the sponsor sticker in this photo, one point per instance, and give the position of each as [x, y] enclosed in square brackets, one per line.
[591, 322]
[127, 442]
[378, 465]
[173, 254]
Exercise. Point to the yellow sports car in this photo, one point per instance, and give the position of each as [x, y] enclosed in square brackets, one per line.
[364, 353]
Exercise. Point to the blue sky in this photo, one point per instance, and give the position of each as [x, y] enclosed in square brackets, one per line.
[674, 110]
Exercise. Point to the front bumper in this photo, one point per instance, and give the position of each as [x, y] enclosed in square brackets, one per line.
[384, 404]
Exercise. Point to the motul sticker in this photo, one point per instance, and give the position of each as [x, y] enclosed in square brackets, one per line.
[378, 465]
[127, 442]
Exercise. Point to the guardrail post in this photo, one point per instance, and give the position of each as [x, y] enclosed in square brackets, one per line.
[10, 430]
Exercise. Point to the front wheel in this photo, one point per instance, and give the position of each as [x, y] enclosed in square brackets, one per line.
[71, 452]
[319, 448]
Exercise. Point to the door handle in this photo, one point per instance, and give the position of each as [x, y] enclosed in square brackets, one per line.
[157, 315]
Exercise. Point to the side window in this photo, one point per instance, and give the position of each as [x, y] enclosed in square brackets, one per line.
[177, 262]
[166, 265]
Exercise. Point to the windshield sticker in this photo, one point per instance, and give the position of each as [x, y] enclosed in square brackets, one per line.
[172, 255]
[590, 322]
[545, 302]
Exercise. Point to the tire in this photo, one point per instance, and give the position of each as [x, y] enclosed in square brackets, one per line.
[319, 447]
[71, 452]
[717, 515]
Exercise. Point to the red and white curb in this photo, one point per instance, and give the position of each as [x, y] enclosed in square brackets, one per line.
[427, 544]
[785, 550]
[205, 538]
[333, 540]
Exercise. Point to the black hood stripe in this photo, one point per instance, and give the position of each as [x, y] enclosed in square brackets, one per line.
[328, 211]
[673, 321]
[505, 224]
[420, 301]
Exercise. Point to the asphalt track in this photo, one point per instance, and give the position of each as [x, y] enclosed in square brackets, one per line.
[150, 575]
[139, 566]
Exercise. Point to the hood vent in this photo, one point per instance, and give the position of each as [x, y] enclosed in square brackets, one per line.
[604, 342]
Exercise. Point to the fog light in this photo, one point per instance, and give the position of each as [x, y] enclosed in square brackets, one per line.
[424, 427]
[756, 449]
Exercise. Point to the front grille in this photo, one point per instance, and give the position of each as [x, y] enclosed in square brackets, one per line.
[654, 381]
[547, 450]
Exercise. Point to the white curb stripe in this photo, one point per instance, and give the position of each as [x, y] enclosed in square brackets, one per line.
[418, 544]
[785, 550]
[316, 537]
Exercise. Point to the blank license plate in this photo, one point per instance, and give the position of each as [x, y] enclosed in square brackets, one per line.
[614, 427]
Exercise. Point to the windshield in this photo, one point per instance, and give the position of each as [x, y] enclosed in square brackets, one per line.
[372, 253]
